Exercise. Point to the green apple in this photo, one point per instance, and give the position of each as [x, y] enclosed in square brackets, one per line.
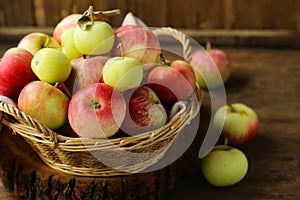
[68, 46]
[123, 73]
[51, 65]
[95, 39]
[224, 166]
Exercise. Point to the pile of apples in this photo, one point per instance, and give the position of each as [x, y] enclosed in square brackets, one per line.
[102, 81]
[98, 80]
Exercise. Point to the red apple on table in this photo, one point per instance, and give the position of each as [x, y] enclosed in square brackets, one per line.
[35, 41]
[45, 103]
[15, 71]
[238, 122]
[145, 111]
[212, 67]
[97, 111]
[139, 43]
[174, 82]
[86, 71]
[67, 22]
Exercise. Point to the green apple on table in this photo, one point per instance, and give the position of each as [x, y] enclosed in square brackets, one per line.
[224, 166]
[51, 65]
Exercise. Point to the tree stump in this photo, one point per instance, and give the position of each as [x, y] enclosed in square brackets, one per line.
[25, 174]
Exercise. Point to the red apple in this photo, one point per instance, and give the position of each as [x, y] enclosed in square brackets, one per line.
[238, 122]
[45, 103]
[212, 67]
[87, 71]
[174, 82]
[97, 111]
[67, 22]
[33, 42]
[15, 71]
[139, 43]
[145, 112]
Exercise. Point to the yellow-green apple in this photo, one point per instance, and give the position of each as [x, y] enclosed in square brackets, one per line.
[224, 166]
[64, 24]
[138, 43]
[97, 111]
[95, 39]
[172, 82]
[212, 67]
[45, 103]
[67, 44]
[86, 71]
[15, 71]
[51, 65]
[238, 122]
[35, 41]
[144, 111]
[123, 73]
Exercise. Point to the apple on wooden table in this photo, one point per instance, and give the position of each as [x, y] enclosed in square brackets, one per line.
[45, 103]
[144, 111]
[15, 71]
[35, 41]
[172, 82]
[96, 111]
[238, 123]
[212, 67]
[224, 166]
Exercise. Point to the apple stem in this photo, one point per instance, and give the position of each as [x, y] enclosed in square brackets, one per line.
[208, 46]
[121, 49]
[226, 141]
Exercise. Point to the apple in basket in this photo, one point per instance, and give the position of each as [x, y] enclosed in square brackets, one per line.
[172, 82]
[66, 23]
[35, 41]
[139, 43]
[67, 44]
[15, 71]
[45, 103]
[97, 111]
[212, 67]
[86, 71]
[145, 111]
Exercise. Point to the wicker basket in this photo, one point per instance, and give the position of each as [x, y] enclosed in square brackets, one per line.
[76, 156]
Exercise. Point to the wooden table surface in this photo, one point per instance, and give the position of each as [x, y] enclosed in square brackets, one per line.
[267, 80]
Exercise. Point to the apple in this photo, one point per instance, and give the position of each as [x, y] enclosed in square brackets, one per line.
[139, 43]
[87, 71]
[123, 73]
[172, 82]
[35, 41]
[224, 166]
[67, 44]
[45, 103]
[212, 67]
[51, 65]
[95, 39]
[238, 122]
[145, 111]
[8, 100]
[66, 23]
[96, 111]
[15, 71]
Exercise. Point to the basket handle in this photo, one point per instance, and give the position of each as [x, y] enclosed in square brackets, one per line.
[178, 35]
